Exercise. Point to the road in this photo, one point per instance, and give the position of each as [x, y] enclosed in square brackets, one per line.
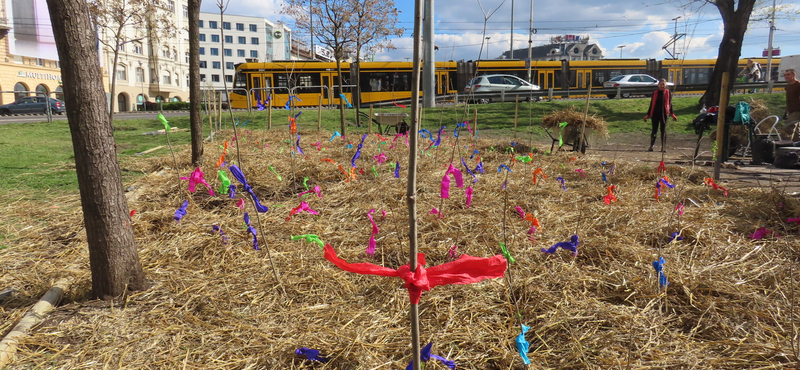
[4, 120]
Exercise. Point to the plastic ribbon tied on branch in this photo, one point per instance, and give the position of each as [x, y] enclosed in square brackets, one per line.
[522, 345]
[662, 168]
[479, 167]
[309, 238]
[164, 121]
[762, 232]
[539, 172]
[571, 246]
[662, 279]
[315, 190]
[563, 182]
[675, 236]
[561, 137]
[358, 151]
[345, 100]
[195, 178]
[398, 105]
[445, 188]
[221, 160]
[303, 207]
[225, 182]
[610, 197]
[397, 170]
[297, 145]
[380, 158]
[453, 252]
[372, 244]
[795, 220]
[311, 354]
[506, 254]
[289, 102]
[468, 192]
[425, 131]
[181, 211]
[217, 229]
[465, 270]
[425, 356]
[709, 181]
[261, 105]
[335, 135]
[239, 176]
[251, 230]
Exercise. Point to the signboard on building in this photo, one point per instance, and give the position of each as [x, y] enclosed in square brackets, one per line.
[31, 33]
[775, 52]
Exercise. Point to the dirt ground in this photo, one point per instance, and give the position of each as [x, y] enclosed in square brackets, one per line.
[680, 148]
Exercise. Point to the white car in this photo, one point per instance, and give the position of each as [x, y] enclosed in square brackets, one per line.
[631, 81]
[498, 83]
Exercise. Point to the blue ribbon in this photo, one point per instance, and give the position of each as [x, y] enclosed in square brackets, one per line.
[335, 134]
[311, 354]
[474, 178]
[345, 100]
[571, 245]
[499, 169]
[676, 236]
[473, 153]
[563, 183]
[423, 132]
[425, 356]
[237, 173]
[523, 346]
[605, 179]
[299, 150]
[662, 279]
[232, 191]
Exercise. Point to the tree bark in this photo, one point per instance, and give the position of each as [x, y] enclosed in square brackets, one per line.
[113, 256]
[195, 115]
[113, 80]
[730, 48]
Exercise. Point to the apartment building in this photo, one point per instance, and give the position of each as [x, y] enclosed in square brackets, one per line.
[235, 39]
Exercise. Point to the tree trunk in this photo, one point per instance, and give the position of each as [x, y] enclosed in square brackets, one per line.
[195, 115]
[730, 48]
[113, 81]
[340, 91]
[113, 257]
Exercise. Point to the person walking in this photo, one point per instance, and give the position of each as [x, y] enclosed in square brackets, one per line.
[792, 113]
[660, 110]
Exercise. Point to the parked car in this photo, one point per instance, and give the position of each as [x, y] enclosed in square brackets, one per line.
[33, 105]
[632, 81]
[498, 83]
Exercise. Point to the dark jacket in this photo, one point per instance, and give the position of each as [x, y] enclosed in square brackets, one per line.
[667, 104]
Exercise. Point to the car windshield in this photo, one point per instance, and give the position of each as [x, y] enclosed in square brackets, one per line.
[617, 78]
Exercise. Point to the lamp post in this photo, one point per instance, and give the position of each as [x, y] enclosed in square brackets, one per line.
[620, 50]
[144, 107]
[487, 46]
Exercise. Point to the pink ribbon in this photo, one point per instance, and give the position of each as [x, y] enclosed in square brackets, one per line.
[380, 158]
[445, 193]
[763, 232]
[580, 170]
[679, 208]
[469, 196]
[197, 178]
[240, 203]
[372, 243]
[315, 190]
[303, 207]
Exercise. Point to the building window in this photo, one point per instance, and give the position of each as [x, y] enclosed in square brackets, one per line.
[214, 51]
[171, 6]
[122, 73]
[214, 38]
[187, 57]
[121, 47]
[240, 26]
[226, 25]
[229, 65]
[212, 25]
[137, 48]
[240, 53]
[20, 87]
[203, 64]
[214, 78]
[229, 39]
[203, 37]
[201, 23]
[167, 78]
[153, 77]
[227, 52]
[175, 54]
[253, 28]
[177, 79]
[40, 61]
[242, 40]
[202, 51]
[186, 11]
[187, 80]
[202, 78]
[215, 65]
[139, 74]
[228, 78]
[253, 53]
[254, 40]
[165, 53]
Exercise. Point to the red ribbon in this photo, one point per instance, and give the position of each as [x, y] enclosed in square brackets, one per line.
[465, 270]
[710, 181]
[661, 167]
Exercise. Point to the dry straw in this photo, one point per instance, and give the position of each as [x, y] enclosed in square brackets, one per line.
[216, 306]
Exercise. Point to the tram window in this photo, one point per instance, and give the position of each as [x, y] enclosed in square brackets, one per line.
[558, 78]
[307, 79]
[692, 76]
[281, 80]
[240, 82]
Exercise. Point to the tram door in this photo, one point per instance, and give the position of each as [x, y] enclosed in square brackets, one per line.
[258, 83]
[674, 75]
[441, 86]
[546, 79]
[583, 79]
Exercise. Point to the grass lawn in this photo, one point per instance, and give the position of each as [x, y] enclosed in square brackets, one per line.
[37, 158]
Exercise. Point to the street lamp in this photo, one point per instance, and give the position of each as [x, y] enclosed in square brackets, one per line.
[620, 50]
[487, 46]
[144, 107]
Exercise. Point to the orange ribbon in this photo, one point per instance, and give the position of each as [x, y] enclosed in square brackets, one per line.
[710, 181]
[328, 160]
[661, 168]
[222, 158]
[346, 175]
[292, 125]
[538, 171]
[611, 197]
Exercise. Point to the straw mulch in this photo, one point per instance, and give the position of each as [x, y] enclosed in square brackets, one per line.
[216, 306]
[574, 119]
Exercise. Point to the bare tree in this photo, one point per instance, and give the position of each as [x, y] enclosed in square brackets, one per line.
[113, 257]
[126, 21]
[332, 27]
[736, 15]
[195, 116]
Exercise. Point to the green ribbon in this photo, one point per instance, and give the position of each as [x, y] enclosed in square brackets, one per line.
[310, 238]
[509, 149]
[374, 172]
[225, 182]
[305, 180]
[276, 174]
[526, 159]
[164, 121]
[380, 149]
[281, 150]
[506, 253]
[560, 138]
[491, 149]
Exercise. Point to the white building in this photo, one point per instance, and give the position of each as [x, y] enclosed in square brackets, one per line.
[238, 39]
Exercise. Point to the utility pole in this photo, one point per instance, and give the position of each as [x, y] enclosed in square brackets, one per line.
[311, 27]
[428, 62]
[487, 47]
[769, 46]
[511, 53]
[620, 50]
[530, 44]
[675, 36]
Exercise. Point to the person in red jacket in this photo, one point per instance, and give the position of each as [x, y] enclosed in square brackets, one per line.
[660, 109]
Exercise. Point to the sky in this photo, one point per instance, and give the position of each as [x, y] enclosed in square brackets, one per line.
[621, 28]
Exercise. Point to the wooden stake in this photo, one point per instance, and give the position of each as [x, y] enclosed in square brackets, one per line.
[585, 116]
[411, 191]
[319, 114]
[475, 123]
[723, 103]
[269, 115]
[516, 114]
[369, 121]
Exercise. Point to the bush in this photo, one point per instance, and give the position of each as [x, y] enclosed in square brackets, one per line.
[177, 105]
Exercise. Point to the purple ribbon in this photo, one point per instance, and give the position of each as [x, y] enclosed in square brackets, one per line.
[571, 245]
[563, 183]
[397, 170]
[232, 191]
[439, 138]
[215, 228]
[181, 211]
[676, 236]
[425, 356]
[474, 178]
[251, 230]
[237, 173]
[358, 151]
[311, 354]
[299, 150]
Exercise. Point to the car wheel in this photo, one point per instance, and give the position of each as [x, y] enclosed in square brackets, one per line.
[5, 112]
[648, 95]
[484, 101]
[626, 95]
[611, 96]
